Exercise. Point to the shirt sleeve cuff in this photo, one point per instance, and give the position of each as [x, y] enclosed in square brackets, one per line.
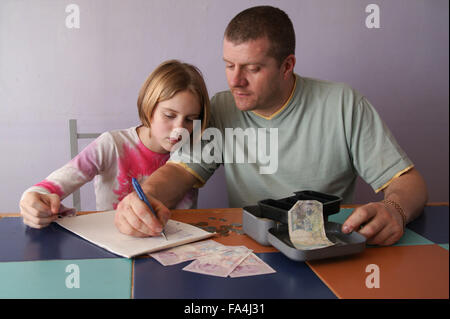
[200, 180]
[394, 177]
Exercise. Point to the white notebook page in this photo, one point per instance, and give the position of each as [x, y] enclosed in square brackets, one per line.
[100, 230]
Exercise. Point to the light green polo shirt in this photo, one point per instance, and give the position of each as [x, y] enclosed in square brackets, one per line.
[328, 134]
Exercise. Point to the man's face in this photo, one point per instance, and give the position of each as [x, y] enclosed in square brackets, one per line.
[253, 77]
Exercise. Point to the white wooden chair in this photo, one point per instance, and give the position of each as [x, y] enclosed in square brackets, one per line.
[74, 137]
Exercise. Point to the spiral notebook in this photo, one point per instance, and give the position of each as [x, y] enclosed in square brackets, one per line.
[100, 230]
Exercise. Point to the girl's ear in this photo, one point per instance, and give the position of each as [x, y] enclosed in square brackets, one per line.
[152, 114]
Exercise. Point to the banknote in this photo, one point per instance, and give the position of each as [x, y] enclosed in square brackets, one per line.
[251, 266]
[221, 263]
[187, 252]
[306, 226]
[66, 212]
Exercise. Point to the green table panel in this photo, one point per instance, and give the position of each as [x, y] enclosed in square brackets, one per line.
[62, 279]
[409, 237]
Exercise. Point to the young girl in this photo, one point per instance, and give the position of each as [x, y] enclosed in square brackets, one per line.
[171, 98]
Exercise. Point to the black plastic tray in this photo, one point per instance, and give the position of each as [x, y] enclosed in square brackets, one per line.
[344, 244]
[268, 232]
[278, 209]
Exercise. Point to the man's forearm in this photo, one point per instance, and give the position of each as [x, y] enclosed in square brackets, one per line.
[410, 192]
[169, 184]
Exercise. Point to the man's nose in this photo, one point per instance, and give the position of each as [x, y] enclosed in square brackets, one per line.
[237, 78]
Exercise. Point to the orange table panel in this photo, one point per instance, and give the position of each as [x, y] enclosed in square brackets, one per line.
[227, 223]
[404, 272]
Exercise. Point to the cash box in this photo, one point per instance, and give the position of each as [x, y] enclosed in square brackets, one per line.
[267, 223]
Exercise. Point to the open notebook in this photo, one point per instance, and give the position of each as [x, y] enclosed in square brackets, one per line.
[100, 230]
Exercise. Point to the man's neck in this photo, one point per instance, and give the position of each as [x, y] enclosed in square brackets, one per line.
[285, 95]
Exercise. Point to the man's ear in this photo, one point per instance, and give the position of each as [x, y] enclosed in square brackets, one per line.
[288, 66]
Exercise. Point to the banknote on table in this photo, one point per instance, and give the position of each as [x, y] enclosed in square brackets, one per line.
[306, 226]
[187, 252]
[251, 266]
[221, 263]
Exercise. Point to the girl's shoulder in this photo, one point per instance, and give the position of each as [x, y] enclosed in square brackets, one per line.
[120, 136]
[112, 142]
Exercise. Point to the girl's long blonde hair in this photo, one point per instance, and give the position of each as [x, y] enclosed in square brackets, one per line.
[169, 78]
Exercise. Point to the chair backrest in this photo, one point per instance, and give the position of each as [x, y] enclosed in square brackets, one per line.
[74, 137]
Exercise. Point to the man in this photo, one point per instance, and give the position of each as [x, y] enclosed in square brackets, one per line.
[327, 134]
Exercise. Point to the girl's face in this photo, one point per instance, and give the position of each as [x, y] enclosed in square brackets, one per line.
[178, 112]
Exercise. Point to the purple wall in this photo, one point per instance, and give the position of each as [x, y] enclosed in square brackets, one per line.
[49, 73]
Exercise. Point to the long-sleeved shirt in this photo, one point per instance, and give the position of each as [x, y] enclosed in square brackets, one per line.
[113, 159]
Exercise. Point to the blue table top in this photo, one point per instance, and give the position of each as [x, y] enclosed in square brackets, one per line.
[432, 224]
[292, 280]
[19, 242]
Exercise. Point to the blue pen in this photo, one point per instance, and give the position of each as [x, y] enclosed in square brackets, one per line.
[142, 196]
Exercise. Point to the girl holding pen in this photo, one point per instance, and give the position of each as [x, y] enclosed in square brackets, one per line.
[172, 97]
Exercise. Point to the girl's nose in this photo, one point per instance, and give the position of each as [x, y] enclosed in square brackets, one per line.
[178, 123]
[177, 133]
[181, 124]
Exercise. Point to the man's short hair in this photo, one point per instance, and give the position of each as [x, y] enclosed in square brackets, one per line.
[264, 21]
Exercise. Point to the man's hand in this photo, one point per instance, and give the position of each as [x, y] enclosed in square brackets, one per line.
[381, 224]
[39, 210]
[134, 218]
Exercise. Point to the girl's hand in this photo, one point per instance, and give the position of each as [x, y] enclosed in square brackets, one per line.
[39, 210]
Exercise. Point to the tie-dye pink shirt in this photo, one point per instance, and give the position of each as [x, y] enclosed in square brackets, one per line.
[114, 158]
